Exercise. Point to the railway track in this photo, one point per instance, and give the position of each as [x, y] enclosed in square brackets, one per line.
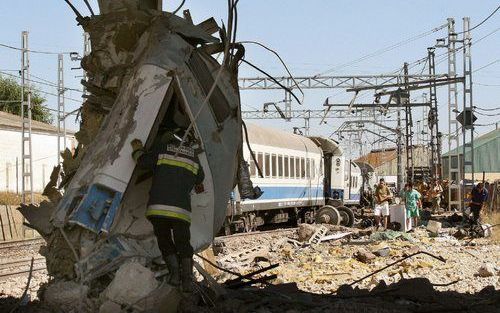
[20, 243]
[254, 233]
[21, 266]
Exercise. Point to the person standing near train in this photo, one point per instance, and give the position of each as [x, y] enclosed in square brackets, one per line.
[382, 197]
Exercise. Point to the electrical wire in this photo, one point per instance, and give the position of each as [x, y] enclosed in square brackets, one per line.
[386, 49]
[486, 114]
[272, 78]
[487, 65]
[89, 7]
[46, 83]
[483, 109]
[483, 21]
[34, 51]
[281, 60]
[179, 7]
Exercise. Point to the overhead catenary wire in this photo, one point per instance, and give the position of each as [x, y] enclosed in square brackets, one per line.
[488, 109]
[483, 21]
[487, 65]
[35, 51]
[386, 49]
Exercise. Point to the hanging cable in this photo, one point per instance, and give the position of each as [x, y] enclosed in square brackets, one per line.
[257, 165]
[281, 60]
[272, 78]
[89, 7]
[79, 17]
[179, 7]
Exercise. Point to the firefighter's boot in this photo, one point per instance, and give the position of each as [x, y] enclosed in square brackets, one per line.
[187, 274]
[174, 277]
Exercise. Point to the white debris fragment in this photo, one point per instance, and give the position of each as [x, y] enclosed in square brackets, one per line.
[434, 227]
[132, 283]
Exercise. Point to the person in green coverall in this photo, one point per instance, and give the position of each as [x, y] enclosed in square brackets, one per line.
[412, 203]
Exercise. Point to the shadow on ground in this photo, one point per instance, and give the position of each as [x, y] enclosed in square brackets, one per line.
[412, 295]
[407, 296]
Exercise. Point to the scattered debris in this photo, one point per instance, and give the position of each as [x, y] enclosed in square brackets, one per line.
[122, 291]
[434, 227]
[364, 256]
[65, 295]
[486, 270]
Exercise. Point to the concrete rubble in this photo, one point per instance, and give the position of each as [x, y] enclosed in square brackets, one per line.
[325, 267]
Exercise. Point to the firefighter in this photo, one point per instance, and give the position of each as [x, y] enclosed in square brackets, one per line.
[176, 170]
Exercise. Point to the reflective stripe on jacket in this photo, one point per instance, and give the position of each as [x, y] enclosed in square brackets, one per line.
[168, 211]
[176, 170]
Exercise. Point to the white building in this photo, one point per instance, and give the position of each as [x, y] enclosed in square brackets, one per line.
[44, 149]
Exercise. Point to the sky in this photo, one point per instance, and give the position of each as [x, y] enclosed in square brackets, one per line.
[312, 37]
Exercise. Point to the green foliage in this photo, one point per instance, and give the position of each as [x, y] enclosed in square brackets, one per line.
[10, 90]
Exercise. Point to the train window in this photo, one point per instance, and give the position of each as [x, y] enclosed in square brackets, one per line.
[274, 165]
[280, 166]
[253, 169]
[267, 165]
[308, 168]
[313, 169]
[287, 167]
[297, 167]
[302, 168]
[292, 167]
[260, 161]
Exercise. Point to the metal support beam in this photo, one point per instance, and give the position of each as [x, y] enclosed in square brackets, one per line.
[26, 150]
[468, 130]
[409, 131]
[433, 118]
[454, 169]
[328, 82]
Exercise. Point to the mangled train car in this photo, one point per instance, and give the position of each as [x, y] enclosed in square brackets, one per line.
[147, 69]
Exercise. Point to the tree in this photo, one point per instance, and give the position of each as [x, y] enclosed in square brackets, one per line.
[10, 101]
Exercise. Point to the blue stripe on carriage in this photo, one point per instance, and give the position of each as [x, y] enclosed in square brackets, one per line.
[286, 192]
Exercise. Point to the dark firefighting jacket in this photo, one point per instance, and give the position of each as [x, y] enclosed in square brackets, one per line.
[176, 170]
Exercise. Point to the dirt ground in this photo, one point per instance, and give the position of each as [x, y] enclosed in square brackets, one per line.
[316, 277]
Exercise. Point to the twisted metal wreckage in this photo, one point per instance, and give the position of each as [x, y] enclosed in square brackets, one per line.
[146, 66]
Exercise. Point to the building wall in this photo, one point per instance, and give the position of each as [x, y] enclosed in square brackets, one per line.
[421, 156]
[44, 149]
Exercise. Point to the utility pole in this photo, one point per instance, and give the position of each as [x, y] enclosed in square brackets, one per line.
[61, 110]
[454, 168]
[410, 170]
[433, 118]
[399, 147]
[26, 160]
[468, 127]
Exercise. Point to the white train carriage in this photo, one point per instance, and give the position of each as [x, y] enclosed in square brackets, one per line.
[293, 180]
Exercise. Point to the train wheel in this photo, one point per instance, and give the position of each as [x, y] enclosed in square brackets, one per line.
[346, 216]
[327, 215]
